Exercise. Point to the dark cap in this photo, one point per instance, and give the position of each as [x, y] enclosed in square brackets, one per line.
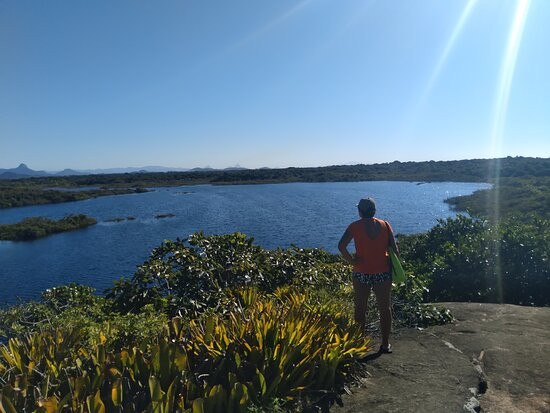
[367, 205]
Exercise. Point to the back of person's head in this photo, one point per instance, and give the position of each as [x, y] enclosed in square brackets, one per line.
[367, 207]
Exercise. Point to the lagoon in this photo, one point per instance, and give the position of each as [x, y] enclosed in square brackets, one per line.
[276, 215]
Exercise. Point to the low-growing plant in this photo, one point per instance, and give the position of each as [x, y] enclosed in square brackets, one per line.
[282, 346]
[78, 307]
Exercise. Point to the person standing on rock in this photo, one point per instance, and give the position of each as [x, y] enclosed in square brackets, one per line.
[371, 266]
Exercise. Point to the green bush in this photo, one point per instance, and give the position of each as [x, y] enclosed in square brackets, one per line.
[76, 307]
[188, 279]
[465, 259]
[529, 194]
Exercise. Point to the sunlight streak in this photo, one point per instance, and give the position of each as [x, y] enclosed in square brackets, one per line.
[499, 119]
[315, 55]
[355, 20]
[270, 25]
[506, 76]
[459, 26]
[266, 28]
[447, 50]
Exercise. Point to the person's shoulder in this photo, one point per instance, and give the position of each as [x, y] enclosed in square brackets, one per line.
[354, 225]
[384, 223]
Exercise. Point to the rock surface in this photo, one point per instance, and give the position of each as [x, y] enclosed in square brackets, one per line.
[495, 358]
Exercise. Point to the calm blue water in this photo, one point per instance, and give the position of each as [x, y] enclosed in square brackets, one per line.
[305, 214]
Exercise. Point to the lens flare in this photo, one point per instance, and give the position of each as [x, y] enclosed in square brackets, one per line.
[447, 50]
[459, 26]
[506, 76]
[499, 119]
[250, 38]
[268, 26]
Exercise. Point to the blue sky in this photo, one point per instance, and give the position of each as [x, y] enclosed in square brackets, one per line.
[96, 84]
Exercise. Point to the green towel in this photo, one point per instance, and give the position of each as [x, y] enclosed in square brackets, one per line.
[398, 275]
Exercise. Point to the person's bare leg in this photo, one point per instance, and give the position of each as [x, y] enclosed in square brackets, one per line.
[383, 299]
[361, 294]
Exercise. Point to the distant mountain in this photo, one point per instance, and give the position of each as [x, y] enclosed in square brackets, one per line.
[205, 169]
[69, 172]
[130, 170]
[22, 171]
[11, 175]
[235, 168]
[209, 169]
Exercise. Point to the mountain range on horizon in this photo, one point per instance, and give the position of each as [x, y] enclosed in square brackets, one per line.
[23, 171]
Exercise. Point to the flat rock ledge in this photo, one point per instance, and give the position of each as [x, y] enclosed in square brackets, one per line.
[495, 358]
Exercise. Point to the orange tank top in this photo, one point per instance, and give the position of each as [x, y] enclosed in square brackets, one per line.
[372, 254]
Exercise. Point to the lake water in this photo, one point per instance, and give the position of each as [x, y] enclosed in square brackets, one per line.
[278, 215]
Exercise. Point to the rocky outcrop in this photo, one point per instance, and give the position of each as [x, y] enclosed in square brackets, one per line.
[495, 358]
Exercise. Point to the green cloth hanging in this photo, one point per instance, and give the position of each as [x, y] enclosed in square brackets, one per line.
[398, 275]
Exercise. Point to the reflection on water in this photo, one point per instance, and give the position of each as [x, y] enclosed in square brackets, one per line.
[305, 214]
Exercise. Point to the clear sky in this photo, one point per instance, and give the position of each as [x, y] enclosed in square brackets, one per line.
[113, 83]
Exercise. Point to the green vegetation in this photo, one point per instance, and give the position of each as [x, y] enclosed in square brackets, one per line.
[220, 324]
[217, 322]
[466, 259]
[281, 345]
[169, 215]
[18, 193]
[120, 219]
[34, 190]
[510, 195]
[38, 227]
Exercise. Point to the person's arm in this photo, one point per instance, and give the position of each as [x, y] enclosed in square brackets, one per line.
[343, 247]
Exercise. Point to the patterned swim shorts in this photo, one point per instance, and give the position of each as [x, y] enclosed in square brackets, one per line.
[372, 279]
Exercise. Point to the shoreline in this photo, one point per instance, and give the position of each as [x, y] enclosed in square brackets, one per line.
[114, 191]
[34, 190]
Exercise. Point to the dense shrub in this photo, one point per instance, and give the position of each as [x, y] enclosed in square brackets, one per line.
[78, 307]
[511, 195]
[190, 279]
[182, 277]
[465, 259]
[226, 349]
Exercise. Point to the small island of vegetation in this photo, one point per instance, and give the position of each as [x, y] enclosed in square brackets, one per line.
[120, 219]
[167, 215]
[38, 227]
